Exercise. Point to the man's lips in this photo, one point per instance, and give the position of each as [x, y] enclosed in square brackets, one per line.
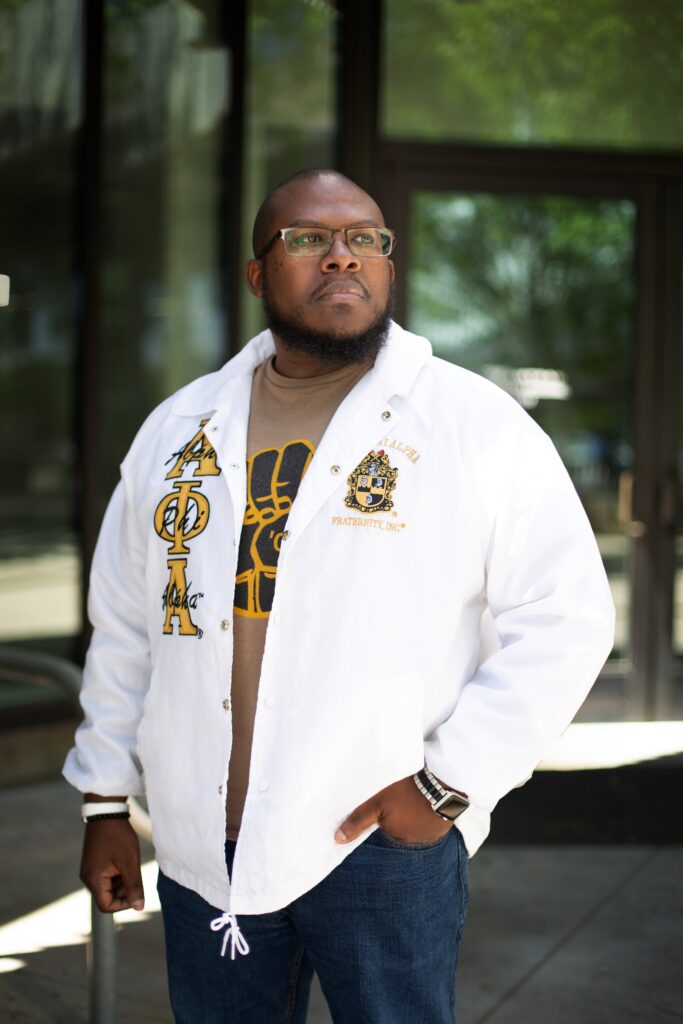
[340, 292]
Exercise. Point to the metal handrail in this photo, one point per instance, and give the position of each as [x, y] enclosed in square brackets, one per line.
[38, 667]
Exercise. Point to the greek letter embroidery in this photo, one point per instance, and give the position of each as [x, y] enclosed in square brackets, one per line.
[180, 516]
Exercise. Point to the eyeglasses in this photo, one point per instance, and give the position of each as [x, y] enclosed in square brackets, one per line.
[315, 241]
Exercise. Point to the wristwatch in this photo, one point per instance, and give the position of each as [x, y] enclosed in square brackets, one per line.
[447, 803]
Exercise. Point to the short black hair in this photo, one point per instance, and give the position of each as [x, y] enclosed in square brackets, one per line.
[258, 239]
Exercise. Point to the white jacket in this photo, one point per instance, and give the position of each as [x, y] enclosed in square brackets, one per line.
[461, 623]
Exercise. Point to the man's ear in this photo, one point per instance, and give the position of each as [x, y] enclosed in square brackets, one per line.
[392, 270]
[253, 273]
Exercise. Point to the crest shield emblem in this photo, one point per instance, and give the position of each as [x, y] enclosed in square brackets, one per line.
[371, 484]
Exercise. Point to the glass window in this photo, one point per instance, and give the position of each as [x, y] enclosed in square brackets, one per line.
[40, 116]
[290, 105]
[166, 98]
[537, 293]
[677, 623]
[599, 73]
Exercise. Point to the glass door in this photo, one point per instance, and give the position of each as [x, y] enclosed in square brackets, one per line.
[41, 114]
[672, 554]
[538, 291]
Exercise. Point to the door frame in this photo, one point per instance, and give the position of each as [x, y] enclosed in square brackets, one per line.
[655, 185]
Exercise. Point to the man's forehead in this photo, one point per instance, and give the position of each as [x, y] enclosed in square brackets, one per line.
[333, 203]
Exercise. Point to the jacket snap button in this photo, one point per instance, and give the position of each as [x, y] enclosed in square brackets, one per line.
[226, 703]
[225, 624]
[285, 534]
[386, 415]
[220, 790]
[234, 465]
[335, 470]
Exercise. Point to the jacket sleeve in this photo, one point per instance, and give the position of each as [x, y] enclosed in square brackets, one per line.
[548, 595]
[117, 668]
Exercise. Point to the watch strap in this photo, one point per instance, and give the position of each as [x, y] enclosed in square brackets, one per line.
[438, 795]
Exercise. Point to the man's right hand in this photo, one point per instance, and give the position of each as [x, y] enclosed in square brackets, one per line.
[110, 865]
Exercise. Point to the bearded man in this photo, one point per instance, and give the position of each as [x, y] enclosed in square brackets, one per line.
[345, 597]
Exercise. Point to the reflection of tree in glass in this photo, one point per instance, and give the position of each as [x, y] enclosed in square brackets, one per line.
[599, 72]
[536, 281]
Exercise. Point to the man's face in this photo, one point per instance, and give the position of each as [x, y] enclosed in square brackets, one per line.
[324, 303]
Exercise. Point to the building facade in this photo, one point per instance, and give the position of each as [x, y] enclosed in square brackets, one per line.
[529, 154]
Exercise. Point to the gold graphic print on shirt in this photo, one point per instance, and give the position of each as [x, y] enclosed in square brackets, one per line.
[273, 478]
[181, 515]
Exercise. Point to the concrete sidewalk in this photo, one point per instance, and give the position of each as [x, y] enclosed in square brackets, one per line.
[556, 934]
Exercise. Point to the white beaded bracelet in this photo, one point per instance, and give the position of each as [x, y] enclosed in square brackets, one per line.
[97, 810]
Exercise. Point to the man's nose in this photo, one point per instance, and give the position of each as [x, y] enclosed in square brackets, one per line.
[340, 256]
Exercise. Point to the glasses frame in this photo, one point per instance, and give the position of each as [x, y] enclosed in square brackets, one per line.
[281, 233]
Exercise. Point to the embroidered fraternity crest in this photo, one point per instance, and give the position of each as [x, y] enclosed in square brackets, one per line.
[371, 484]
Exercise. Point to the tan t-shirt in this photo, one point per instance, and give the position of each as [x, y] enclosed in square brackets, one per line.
[287, 419]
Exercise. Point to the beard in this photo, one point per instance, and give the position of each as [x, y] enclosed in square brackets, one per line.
[329, 346]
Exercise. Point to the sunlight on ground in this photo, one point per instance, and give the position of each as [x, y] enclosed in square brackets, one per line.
[611, 744]
[66, 922]
[8, 963]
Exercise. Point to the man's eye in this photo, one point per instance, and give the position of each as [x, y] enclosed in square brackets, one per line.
[309, 238]
[364, 238]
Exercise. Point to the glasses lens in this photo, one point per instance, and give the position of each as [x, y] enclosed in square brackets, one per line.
[369, 241]
[307, 241]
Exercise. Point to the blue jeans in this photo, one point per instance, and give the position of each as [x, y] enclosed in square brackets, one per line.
[381, 931]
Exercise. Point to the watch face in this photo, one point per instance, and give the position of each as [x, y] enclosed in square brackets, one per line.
[453, 807]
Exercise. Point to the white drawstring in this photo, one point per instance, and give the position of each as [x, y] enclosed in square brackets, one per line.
[239, 943]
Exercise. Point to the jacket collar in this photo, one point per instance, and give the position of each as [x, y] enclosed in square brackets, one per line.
[394, 372]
